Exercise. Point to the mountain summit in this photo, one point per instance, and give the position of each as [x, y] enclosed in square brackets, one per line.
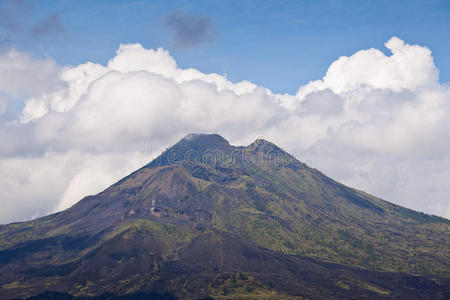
[208, 219]
[194, 147]
[213, 149]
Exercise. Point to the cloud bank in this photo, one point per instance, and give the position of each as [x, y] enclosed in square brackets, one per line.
[376, 122]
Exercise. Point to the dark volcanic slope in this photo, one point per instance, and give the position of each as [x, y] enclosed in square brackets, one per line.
[207, 219]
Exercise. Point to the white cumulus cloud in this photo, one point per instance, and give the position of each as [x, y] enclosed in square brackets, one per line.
[374, 121]
[23, 76]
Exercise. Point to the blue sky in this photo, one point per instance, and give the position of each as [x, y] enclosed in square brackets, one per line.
[277, 44]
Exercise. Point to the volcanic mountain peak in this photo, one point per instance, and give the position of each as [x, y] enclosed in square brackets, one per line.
[266, 147]
[207, 218]
[214, 150]
[195, 148]
[207, 141]
[216, 142]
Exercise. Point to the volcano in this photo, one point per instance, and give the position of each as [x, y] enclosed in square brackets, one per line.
[208, 220]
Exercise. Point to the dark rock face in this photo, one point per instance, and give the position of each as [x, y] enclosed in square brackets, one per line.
[210, 220]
